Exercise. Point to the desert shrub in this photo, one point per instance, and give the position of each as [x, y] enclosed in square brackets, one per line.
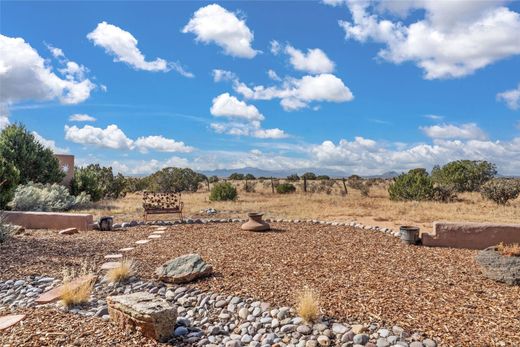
[122, 272]
[76, 293]
[9, 177]
[223, 191]
[213, 179]
[173, 179]
[249, 186]
[307, 304]
[236, 176]
[465, 175]
[5, 228]
[249, 177]
[309, 176]
[136, 184]
[444, 193]
[323, 177]
[285, 188]
[415, 185]
[99, 182]
[501, 190]
[33, 161]
[358, 184]
[46, 197]
[293, 178]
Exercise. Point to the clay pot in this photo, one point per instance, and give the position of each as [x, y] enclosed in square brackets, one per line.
[255, 223]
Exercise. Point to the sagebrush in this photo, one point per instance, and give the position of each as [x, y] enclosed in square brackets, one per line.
[285, 188]
[46, 197]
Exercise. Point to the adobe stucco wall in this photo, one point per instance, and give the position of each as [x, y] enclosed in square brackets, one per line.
[67, 165]
[471, 235]
[50, 220]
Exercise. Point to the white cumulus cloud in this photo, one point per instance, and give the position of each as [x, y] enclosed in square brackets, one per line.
[25, 75]
[511, 98]
[468, 131]
[315, 61]
[215, 24]
[454, 39]
[160, 144]
[79, 117]
[110, 137]
[123, 46]
[229, 106]
[295, 93]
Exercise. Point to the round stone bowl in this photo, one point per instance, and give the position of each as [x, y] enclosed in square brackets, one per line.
[255, 223]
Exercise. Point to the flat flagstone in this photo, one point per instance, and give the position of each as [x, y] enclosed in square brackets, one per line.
[10, 320]
[113, 256]
[158, 232]
[128, 249]
[154, 236]
[55, 293]
[161, 228]
[110, 265]
[141, 242]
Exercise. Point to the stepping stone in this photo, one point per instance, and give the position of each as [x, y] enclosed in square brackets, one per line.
[142, 242]
[10, 320]
[110, 265]
[154, 236]
[69, 231]
[152, 315]
[113, 256]
[161, 228]
[55, 293]
[158, 232]
[128, 249]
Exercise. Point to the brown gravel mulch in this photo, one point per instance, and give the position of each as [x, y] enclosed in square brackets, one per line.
[51, 327]
[360, 275]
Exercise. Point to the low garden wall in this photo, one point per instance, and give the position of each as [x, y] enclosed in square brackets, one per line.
[471, 235]
[50, 220]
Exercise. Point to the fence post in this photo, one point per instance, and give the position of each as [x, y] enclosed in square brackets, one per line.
[272, 185]
[344, 185]
[304, 184]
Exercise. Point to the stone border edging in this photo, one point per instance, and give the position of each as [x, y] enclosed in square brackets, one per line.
[395, 233]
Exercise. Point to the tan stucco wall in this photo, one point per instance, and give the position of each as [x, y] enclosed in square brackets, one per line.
[66, 161]
[50, 220]
[471, 235]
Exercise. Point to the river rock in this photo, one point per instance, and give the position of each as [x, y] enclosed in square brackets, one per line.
[184, 269]
[499, 267]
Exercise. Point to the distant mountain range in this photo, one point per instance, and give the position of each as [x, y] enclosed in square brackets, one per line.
[284, 173]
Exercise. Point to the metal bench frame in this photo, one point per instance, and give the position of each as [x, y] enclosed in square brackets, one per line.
[158, 206]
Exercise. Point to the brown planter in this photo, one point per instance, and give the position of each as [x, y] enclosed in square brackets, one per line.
[255, 223]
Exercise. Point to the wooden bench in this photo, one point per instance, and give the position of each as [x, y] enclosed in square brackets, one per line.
[162, 203]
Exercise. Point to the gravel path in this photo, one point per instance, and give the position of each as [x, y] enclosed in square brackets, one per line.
[50, 327]
[360, 275]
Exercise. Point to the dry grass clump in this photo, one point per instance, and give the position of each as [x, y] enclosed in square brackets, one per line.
[307, 304]
[125, 270]
[511, 250]
[74, 293]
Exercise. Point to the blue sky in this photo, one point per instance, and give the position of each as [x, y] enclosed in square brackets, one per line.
[358, 86]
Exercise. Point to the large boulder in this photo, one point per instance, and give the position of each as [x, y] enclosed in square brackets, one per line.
[499, 267]
[153, 316]
[184, 269]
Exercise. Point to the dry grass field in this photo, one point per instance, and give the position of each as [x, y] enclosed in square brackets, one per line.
[376, 209]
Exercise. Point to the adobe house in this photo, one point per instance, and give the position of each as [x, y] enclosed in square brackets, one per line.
[67, 165]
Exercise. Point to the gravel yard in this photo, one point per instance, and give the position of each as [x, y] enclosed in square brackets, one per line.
[360, 275]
